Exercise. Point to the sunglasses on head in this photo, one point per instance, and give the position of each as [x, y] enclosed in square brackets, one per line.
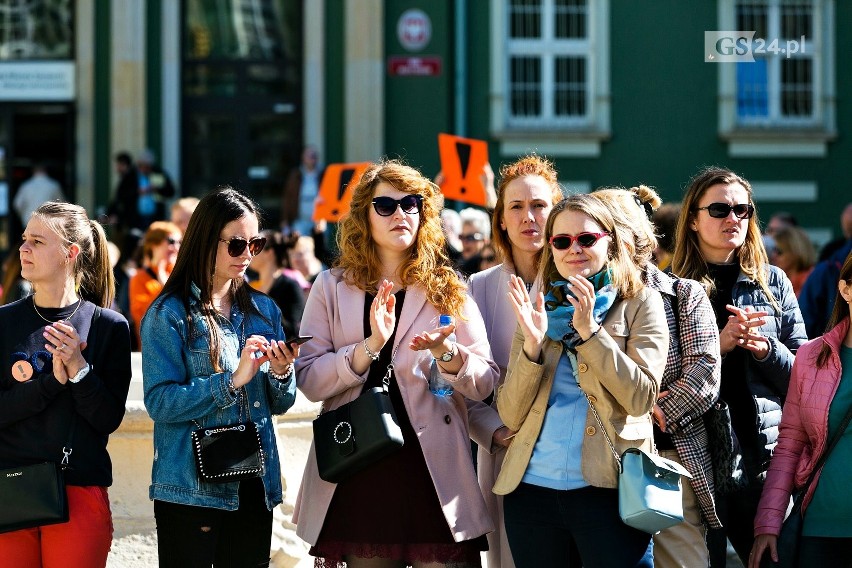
[237, 245]
[722, 210]
[386, 206]
[172, 241]
[585, 240]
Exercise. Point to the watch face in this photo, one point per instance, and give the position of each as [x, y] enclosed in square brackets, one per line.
[447, 357]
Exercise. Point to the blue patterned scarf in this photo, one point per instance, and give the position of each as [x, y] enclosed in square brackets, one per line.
[560, 312]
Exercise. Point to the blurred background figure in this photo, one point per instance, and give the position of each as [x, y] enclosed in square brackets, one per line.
[271, 280]
[834, 245]
[141, 193]
[487, 257]
[301, 191]
[182, 210]
[301, 258]
[665, 220]
[14, 286]
[452, 225]
[779, 221]
[35, 191]
[794, 254]
[475, 234]
[159, 252]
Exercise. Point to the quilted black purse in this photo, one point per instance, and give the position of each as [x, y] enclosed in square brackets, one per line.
[228, 453]
[725, 455]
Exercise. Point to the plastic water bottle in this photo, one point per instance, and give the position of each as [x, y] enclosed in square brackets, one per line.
[437, 384]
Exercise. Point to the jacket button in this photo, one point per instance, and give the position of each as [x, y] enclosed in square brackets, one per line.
[590, 431]
[447, 418]
[257, 404]
[592, 399]
[582, 367]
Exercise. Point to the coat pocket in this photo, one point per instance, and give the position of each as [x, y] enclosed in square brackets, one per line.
[633, 428]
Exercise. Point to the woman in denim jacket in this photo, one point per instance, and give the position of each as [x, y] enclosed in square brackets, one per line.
[760, 329]
[213, 356]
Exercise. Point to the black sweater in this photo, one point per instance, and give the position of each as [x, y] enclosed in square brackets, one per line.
[36, 415]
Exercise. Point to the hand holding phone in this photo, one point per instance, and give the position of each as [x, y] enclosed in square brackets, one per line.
[298, 339]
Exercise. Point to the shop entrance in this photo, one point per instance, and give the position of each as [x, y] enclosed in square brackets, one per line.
[32, 134]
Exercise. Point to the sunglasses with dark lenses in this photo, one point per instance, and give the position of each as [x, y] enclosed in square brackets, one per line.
[472, 238]
[237, 245]
[172, 241]
[585, 240]
[722, 210]
[386, 206]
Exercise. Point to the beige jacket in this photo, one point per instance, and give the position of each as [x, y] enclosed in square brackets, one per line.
[620, 369]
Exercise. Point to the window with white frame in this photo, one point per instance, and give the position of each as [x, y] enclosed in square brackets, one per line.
[780, 86]
[548, 63]
[783, 103]
[550, 76]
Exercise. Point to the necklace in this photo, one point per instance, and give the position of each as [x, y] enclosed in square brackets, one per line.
[38, 313]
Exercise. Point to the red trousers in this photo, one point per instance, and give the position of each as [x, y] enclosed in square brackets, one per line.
[83, 542]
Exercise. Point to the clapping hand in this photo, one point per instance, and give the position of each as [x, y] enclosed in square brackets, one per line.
[531, 317]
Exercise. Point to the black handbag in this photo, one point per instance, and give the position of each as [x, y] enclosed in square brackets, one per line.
[790, 536]
[725, 455]
[357, 434]
[228, 453]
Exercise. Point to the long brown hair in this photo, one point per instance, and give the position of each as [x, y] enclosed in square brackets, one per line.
[427, 264]
[531, 165]
[196, 260]
[688, 262]
[92, 270]
[838, 314]
[626, 276]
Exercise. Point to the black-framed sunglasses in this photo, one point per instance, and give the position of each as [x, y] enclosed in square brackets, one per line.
[237, 245]
[386, 206]
[472, 237]
[173, 241]
[585, 240]
[722, 210]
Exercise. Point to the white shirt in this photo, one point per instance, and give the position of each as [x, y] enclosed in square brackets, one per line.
[35, 191]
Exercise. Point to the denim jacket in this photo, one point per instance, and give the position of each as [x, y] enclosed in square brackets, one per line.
[182, 393]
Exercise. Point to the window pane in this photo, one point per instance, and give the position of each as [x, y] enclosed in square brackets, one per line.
[211, 128]
[796, 20]
[209, 80]
[752, 15]
[525, 19]
[570, 19]
[797, 87]
[233, 29]
[752, 94]
[525, 86]
[36, 29]
[570, 89]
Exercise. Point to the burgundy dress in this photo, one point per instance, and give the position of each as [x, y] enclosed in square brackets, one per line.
[391, 509]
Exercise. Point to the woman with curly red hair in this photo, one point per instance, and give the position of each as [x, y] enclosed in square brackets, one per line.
[420, 505]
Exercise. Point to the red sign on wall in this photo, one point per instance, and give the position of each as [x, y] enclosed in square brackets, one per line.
[414, 66]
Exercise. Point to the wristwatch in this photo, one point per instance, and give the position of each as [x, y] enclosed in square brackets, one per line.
[448, 356]
[80, 374]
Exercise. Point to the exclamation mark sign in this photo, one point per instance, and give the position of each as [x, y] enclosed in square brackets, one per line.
[463, 151]
[345, 177]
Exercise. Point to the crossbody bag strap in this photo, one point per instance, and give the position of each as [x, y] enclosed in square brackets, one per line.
[68, 448]
[834, 440]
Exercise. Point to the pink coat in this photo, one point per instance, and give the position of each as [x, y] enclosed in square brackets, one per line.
[803, 433]
[334, 317]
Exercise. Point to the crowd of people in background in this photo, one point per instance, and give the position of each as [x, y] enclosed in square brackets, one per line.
[582, 325]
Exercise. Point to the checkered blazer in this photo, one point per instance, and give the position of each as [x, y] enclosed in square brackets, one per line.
[692, 379]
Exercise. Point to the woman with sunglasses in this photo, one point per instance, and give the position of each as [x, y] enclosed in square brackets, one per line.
[584, 372]
[420, 506]
[526, 194]
[160, 247]
[718, 243]
[690, 382]
[213, 355]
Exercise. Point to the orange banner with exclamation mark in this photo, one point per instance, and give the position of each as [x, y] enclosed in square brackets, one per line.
[462, 163]
[335, 192]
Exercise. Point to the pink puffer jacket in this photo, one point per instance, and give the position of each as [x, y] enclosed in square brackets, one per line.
[803, 432]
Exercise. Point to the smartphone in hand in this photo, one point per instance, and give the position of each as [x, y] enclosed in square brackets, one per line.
[298, 339]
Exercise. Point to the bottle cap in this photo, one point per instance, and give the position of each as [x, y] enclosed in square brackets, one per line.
[445, 320]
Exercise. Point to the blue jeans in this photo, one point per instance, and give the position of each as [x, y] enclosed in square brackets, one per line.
[544, 525]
